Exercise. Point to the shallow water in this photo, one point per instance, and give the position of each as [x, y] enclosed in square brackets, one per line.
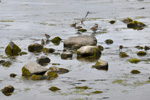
[26, 22]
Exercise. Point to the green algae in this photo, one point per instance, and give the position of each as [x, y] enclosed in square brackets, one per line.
[123, 55]
[25, 72]
[135, 72]
[37, 77]
[51, 75]
[82, 30]
[6, 21]
[141, 53]
[118, 81]
[54, 89]
[82, 87]
[12, 52]
[97, 92]
[134, 60]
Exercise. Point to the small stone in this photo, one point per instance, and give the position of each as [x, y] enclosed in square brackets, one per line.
[35, 47]
[135, 72]
[109, 41]
[141, 53]
[43, 60]
[8, 90]
[54, 89]
[13, 75]
[66, 55]
[101, 65]
[56, 40]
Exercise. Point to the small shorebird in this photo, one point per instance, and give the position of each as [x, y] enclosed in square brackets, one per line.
[120, 48]
[47, 36]
[94, 29]
[42, 42]
[11, 44]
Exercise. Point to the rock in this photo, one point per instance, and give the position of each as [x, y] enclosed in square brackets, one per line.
[12, 51]
[89, 51]
[134, 60]
[35, 47]
[59, 70]
[82, 30]
[43, 60]
[141, 53]
[123, 55]
[33, 68]
[135, 72]
[37, 77]
[50, 75]
[48, 50]
[6, 63]
[56, 40]
[2, 61]
[78, 41]
[8, 90]
[112, 21]
[23, 53]
[136, 25]
[66, 54]
[109, 41]
[54, 89]
[127, 20]
[101, 65]
[13, 75]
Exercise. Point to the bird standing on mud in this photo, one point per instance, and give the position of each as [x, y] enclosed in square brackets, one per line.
[42, 42]
[120, 48]
[94, 29]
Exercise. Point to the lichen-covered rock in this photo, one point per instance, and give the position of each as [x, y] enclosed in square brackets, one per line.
[56, 40]
[35, 47]
[50, 75]
[101, 65]
[54, 89]
[66, 54]
[59, 70]
[33, 68]
[12, 51]
[8, 90]
[76, 42]
[43, 60]
[89, 51]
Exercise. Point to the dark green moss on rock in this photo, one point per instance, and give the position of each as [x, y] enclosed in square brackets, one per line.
[35, 47]
[109, 41]
[6, 64]
[82, 87]
[97, 92]
[135, 72]
[25, 72]
[141, 53]
[8, 90]
[54, 89]
[37, 77]
[12, 52]
[134, 60]
[50, 75]
[123, 55]
[56, 40]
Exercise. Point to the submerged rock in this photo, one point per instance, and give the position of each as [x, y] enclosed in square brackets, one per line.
[89, 51]
[12, 49]
[48, 50]
[33, 68]
[101, 65]
[50, 75]
[76, 42]
[35, 47]
[59, 70]
[8, 90]
[54, 89]
[56, 40]
[66, 54]
[43, 60]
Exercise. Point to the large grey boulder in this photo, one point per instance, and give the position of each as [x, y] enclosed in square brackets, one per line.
[89, 51]
[76, 42]
[33, 68]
